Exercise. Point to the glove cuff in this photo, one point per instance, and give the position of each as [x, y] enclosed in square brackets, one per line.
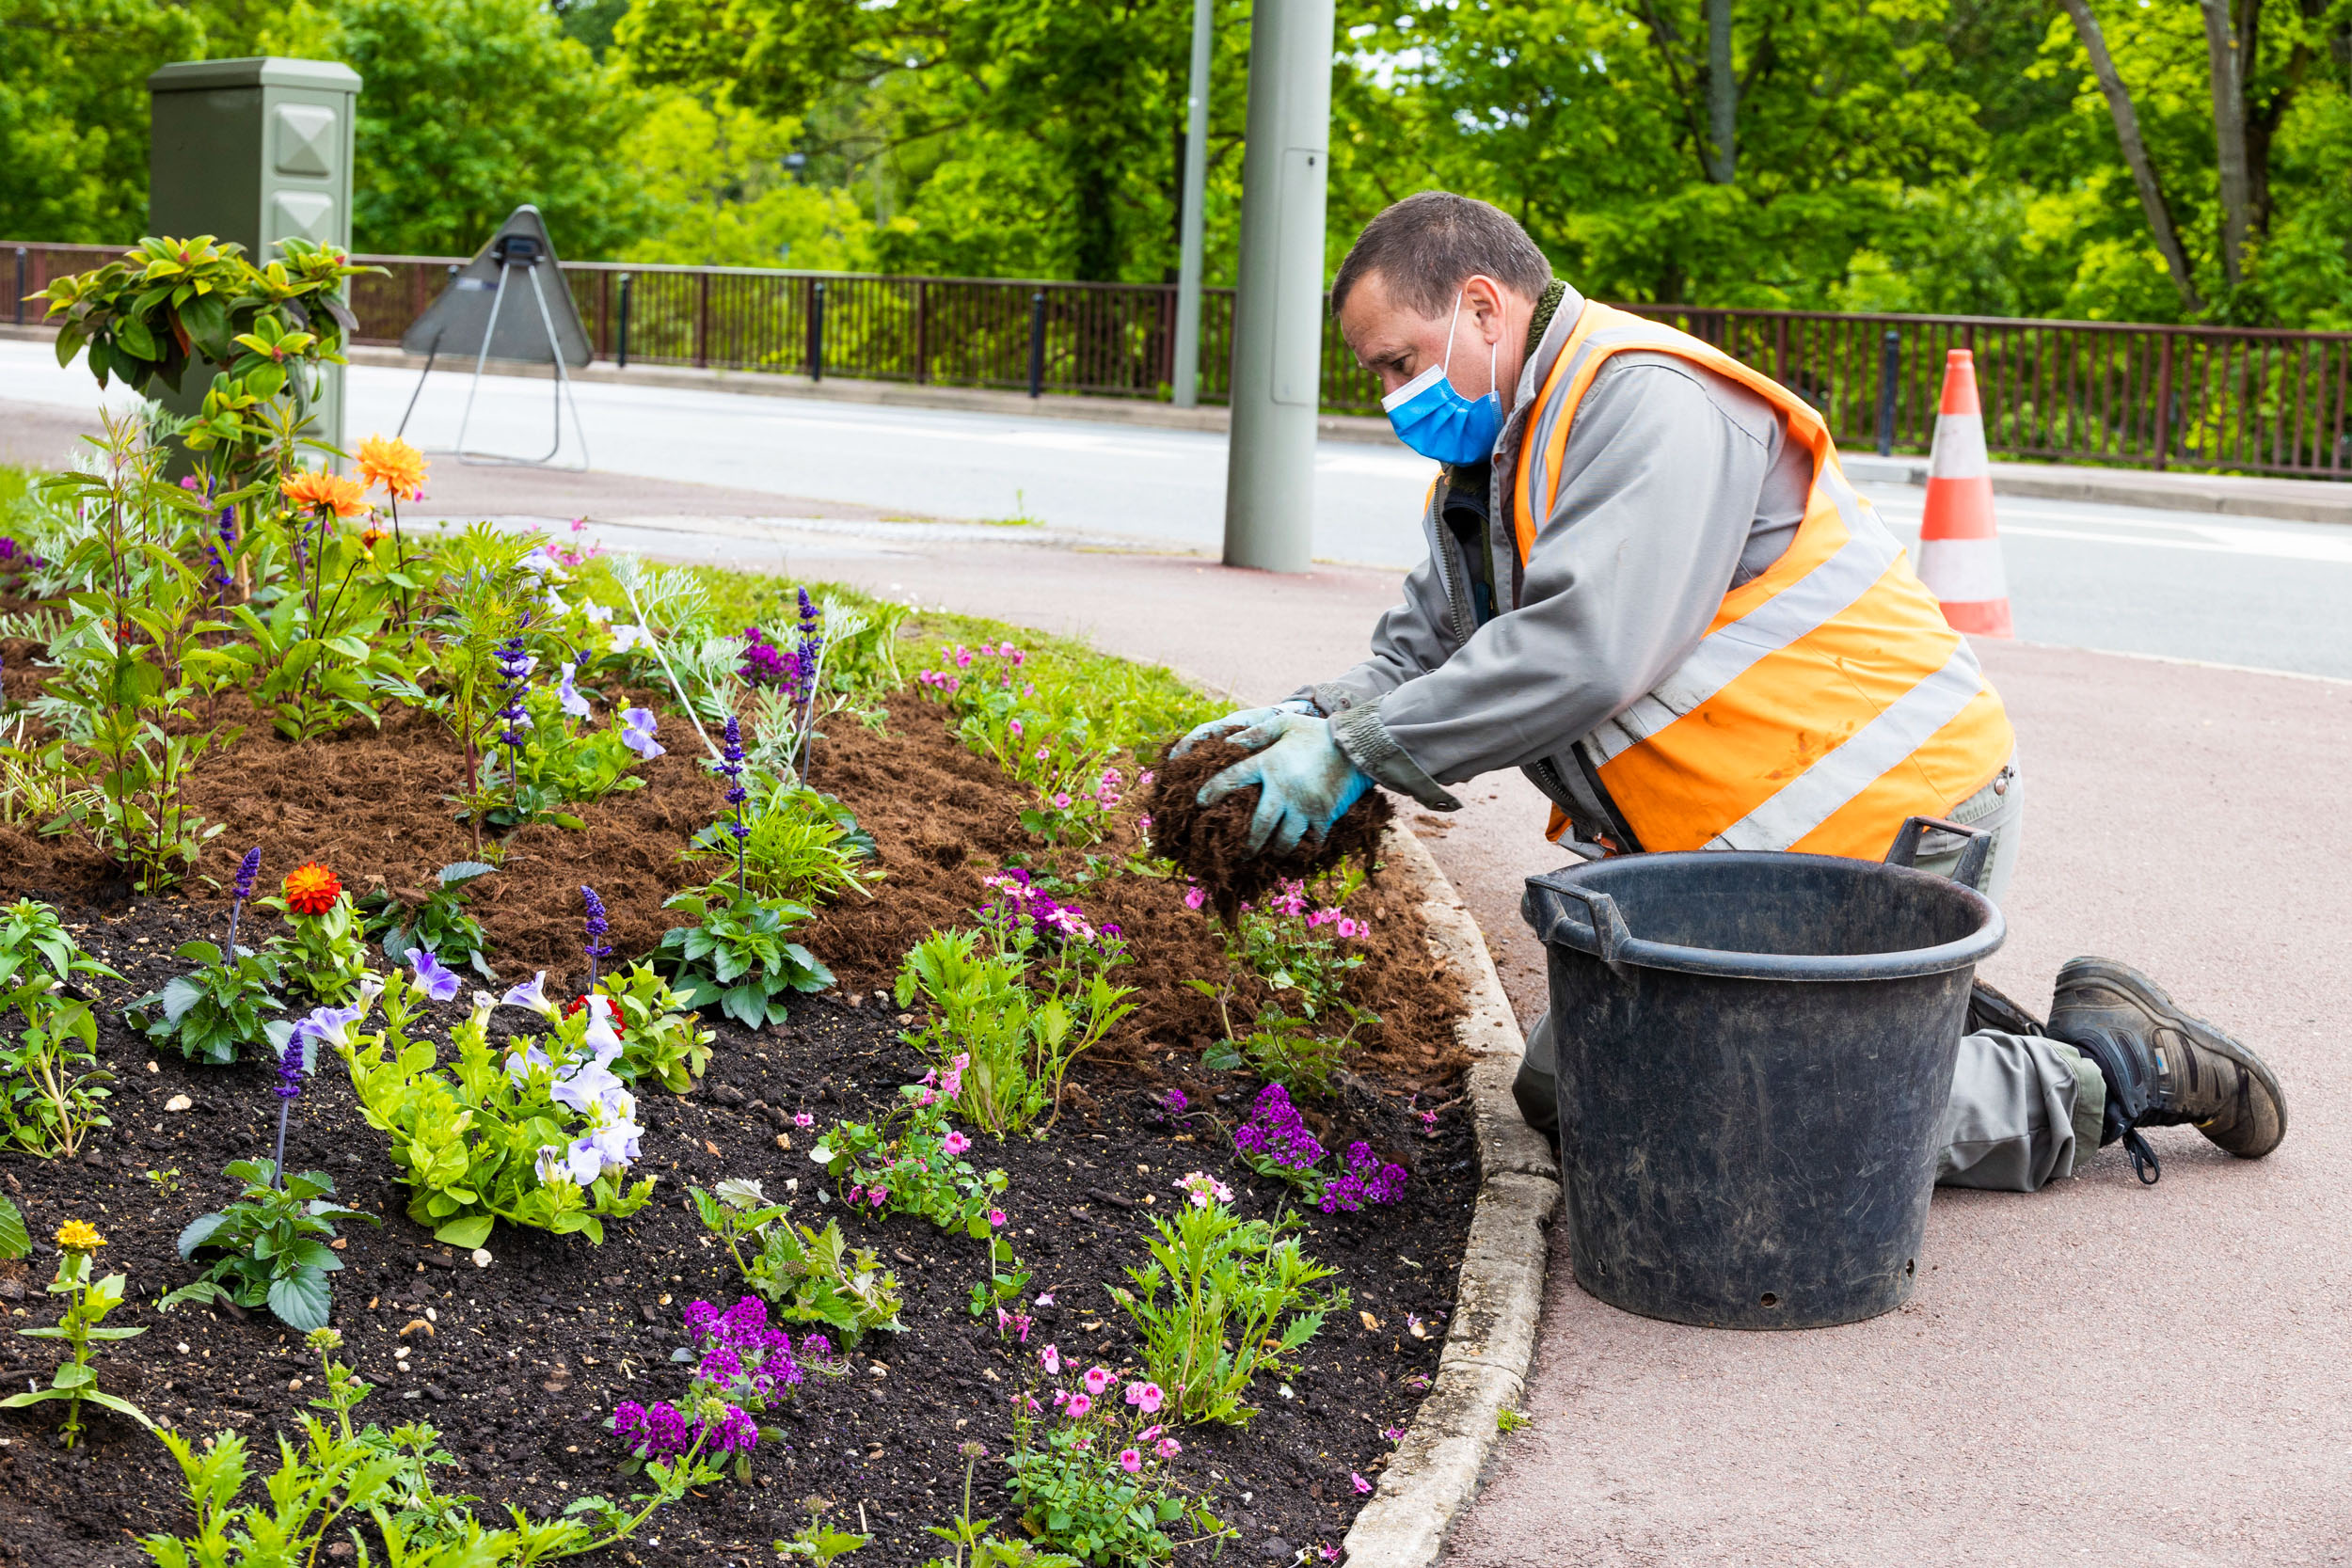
[1365, 740]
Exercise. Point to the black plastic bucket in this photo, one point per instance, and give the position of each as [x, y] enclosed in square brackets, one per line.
[1755, 1051]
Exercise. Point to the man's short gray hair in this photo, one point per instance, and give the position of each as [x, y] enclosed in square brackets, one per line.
[1428, 245]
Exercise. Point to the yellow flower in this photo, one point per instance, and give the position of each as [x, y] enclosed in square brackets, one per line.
[392, 465]
[320, 491]
[79, 1236]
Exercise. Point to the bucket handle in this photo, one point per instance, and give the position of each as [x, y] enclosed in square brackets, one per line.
[1610, 934]
[1969, 871]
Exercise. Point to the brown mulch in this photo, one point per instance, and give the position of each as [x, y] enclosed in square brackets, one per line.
[1212, 842]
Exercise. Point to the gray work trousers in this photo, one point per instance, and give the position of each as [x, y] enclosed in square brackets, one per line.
[2023, 1110]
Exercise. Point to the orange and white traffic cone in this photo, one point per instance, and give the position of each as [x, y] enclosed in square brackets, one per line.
[1960, 549]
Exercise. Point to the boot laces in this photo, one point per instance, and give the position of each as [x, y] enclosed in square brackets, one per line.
[2144, 1161]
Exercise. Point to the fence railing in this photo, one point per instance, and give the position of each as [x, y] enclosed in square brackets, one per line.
[2123, 394]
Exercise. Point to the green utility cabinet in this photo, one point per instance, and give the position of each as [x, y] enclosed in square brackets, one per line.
[254, 151]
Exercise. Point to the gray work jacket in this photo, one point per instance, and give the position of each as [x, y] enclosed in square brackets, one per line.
[1677, 484]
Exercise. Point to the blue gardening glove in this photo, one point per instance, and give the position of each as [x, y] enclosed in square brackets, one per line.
[1305, 780]
[1247, 728]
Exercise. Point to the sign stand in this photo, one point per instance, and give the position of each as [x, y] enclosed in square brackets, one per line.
[521, 244]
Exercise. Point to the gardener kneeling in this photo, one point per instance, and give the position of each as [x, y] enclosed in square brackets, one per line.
[1650, 588]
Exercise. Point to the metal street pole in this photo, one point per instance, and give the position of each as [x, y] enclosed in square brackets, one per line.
[1278, 321]
[1187, 388]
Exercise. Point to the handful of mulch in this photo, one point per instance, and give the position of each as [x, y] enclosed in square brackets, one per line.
[1212, 842]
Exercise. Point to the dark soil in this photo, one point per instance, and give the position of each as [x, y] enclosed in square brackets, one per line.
[1212, 842]
[523, 1361]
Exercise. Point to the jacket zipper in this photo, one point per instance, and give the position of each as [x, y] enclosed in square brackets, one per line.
[1439, 553]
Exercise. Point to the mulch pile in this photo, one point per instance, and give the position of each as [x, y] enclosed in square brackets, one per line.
[1212, 842]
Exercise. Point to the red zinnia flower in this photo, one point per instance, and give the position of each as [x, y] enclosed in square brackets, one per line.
[310, 889]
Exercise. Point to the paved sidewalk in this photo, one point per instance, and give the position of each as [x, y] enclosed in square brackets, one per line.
[2099, 1371]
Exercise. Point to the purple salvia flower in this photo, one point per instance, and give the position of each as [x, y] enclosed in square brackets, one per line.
[596, 927]
[733, 767]
[248, 869]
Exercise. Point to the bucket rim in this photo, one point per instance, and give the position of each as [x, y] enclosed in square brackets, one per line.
[1585, 920]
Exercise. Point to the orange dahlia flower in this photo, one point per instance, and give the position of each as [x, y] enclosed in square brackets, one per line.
[312, 889]
[320, 491]
[391, 465]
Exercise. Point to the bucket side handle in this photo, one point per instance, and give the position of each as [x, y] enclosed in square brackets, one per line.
[1969, 871]
[1611, 935]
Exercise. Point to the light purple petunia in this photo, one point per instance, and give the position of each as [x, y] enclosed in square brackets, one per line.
[437, 981]
[638, 726]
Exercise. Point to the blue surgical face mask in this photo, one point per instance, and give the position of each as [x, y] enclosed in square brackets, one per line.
[1439, 422]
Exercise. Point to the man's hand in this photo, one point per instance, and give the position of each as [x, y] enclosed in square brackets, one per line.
[1249, 728]
[1305, 780]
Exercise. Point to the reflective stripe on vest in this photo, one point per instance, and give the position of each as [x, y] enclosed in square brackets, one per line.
[1828, 701]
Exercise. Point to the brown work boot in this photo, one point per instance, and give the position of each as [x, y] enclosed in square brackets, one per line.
[2164, 1067]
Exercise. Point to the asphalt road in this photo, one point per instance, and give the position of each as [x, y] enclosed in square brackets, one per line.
[2245, 592]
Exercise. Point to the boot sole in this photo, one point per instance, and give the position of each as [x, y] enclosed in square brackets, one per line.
[2158, 1000]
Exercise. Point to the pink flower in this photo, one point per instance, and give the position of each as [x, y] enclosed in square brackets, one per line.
[1168, 1447]
[1145, 1396]
[1362, 1484]
[1327, 1552]
[1016, 729]
[1195, 897]
[996, 1219]
[964, 658]
[1061, 800]
[1392, 1434]
[804, 1121]
[1050, 1358]
[1149, 1433]
[1046, 1300]
[922, 1100]
[879, 1196]
[1144, 778]
[1098, 1379]
[1079, 1405]
[1129, 1461]
[1043, 752]
[1349, 927]
[857, 1194]
[954, 1143]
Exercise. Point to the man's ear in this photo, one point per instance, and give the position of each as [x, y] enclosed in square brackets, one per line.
[1482, 301]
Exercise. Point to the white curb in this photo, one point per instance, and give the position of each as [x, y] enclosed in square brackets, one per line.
[1491, 1339]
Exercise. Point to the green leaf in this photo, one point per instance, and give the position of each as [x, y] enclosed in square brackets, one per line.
[469, 1232]
[301, 1300]
[14, 1241]
[199, 1230]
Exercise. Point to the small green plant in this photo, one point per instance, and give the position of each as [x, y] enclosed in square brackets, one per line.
[88, 1302]
[817, 1542]
[323, 949]
[33, 940]
[433, 918]
[1091, 1472]
[1296, 942]
[216, 1010]
[1240, 1298]
[51, 1090]
[800, 846]
[166, 1183]
[421, 1513]
[542, 1138]
[810, 1275]
[273, 1246]
[913, 1162]
[974, 1542]
[1277, 1047]
[737, 955]
[981, 1002]
[1508, 1420]
[661, 1040]
[384, 1476]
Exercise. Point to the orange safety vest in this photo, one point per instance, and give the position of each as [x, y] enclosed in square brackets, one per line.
[1828, 701]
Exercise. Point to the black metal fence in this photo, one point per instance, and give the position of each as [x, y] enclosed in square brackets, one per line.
[2122, 394]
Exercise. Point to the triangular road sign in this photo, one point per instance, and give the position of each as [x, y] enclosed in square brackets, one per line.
[455, 321]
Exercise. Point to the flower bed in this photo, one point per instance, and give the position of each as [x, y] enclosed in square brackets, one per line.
[721, 1047]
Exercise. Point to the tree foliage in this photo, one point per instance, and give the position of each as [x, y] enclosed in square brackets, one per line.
[2003, 156]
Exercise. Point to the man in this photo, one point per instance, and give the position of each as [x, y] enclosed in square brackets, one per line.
[1651, 588]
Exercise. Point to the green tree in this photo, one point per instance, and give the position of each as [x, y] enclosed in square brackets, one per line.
[718, 194]
[472, 107]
